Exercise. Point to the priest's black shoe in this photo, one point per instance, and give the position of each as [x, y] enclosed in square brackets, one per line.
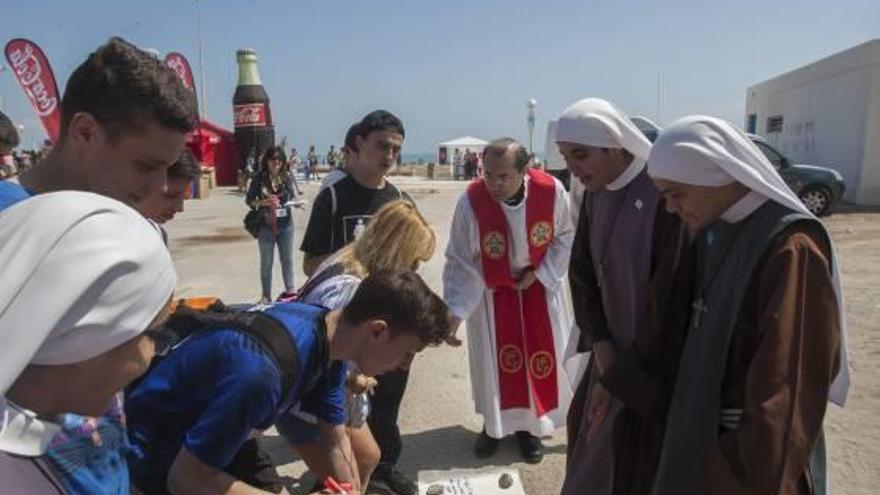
[485, 445]
[531, 447]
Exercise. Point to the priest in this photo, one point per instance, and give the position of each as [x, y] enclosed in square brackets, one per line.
[765, 347]
[505, 270]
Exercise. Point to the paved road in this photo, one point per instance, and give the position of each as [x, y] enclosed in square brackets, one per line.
[214, 255]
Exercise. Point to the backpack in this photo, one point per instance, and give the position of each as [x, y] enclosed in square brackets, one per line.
[299, 294]
[266, 330]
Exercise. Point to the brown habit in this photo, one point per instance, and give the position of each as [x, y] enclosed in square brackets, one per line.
[782, 359]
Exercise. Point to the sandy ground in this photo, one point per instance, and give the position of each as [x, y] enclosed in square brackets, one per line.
[215, 256]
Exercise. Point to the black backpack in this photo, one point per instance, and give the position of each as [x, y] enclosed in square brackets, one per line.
[266, 330]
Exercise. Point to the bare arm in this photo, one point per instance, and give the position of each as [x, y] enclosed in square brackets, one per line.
[336, 445]
[189, 475]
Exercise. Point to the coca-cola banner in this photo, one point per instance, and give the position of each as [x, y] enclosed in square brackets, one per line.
[181, 66]
[250, 115]
[33, 72]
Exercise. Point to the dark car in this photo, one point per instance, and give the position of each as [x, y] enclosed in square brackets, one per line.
[819, 188]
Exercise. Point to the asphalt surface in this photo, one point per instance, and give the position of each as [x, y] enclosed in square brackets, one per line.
[214, 255]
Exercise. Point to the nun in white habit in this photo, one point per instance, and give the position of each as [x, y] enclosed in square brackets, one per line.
[625, 251]
[765, 348]
[84, 276]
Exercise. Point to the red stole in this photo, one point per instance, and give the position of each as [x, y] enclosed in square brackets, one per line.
[523, 333]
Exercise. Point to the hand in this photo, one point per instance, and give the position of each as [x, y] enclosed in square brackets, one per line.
[605, 355]
[359, 384]
[600, 404]
[452, 339]
[273, 201]
[527, 279]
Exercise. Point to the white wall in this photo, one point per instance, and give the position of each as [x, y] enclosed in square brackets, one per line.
[869, 188]
[829, 109]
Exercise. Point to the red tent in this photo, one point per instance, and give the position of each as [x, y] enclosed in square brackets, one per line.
[216, 147]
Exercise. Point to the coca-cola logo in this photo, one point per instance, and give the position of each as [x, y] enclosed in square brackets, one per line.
[29, 70]
[181, 68]
[251, 115]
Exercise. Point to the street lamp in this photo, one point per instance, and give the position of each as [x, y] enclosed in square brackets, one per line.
[531, 104]
[201, 101]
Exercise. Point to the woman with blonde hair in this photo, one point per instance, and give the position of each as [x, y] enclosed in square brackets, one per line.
[398, 237]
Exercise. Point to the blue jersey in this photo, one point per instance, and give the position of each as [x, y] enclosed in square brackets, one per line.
[11, 193]
[208, 394]
[88, 455]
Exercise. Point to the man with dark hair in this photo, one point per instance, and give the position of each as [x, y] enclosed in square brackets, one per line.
[162, 206]
[191, 415]
[508, 250]
[340, 212]
[124, 116]
[124, 120]
[8, 141]
[331, 157]
[345, 208]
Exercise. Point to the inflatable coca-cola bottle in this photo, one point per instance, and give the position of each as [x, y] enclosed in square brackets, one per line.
[254, 131]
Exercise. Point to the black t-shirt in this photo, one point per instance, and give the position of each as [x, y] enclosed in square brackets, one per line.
[355, 206]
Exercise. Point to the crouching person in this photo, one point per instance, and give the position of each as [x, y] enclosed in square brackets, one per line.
[189, 418]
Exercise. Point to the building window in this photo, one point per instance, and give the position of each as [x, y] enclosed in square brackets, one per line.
[752, 125]
[774, 124]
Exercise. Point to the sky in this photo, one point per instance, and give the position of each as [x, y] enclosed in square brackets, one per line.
[450, 68]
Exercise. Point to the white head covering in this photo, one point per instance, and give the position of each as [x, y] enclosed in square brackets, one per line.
[596, 122]
[82, 274]
[706, 151]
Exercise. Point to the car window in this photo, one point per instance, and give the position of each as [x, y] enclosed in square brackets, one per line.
[772, 155]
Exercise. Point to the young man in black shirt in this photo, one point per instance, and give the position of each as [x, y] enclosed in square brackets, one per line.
[340, 212]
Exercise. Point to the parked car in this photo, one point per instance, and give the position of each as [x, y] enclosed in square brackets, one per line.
[819, 188]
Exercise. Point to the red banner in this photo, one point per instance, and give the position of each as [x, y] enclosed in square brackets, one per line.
[181, 66]
[31, 68]
[250, 115]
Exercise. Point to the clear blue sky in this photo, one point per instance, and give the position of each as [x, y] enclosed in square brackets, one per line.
[453, 67]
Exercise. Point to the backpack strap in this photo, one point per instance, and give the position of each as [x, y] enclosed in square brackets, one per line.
[332, 188]
[266, 330]
[312, 283]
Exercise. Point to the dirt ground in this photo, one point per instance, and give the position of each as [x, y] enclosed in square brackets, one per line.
[215, 256]
[853, 433]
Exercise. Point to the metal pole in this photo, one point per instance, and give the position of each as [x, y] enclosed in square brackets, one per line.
[657, 114]
[201, 64]
[531, 120]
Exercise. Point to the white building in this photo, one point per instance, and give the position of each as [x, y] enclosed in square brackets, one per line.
[828, 114]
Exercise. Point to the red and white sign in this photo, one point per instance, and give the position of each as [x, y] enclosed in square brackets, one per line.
[250, 115]
[181, 66]
[31, 68]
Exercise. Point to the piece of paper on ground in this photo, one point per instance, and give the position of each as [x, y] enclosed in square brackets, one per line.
[470, 482]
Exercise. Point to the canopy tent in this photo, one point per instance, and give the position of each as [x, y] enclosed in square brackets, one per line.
[446, 149]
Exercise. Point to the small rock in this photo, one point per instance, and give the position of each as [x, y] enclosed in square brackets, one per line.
[435, 489]
[505, 481]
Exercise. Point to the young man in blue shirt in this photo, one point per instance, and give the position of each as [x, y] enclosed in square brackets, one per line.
[193, 412]
[124, 120]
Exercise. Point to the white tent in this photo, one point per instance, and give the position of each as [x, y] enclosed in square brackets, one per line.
[446, 149]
